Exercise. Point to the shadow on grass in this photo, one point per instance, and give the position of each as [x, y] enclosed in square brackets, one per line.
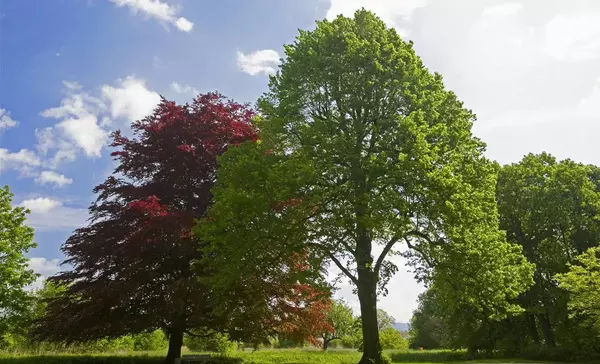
[93, 359]
[429, 356]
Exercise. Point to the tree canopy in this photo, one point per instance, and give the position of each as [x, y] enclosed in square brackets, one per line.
[583, 282]
[16, 238]
[132, 264]
[361, 146]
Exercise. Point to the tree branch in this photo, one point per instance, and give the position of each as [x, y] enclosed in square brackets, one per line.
[337, 262]
[383, 254]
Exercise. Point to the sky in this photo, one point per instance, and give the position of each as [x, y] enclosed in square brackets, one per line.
[72, 71]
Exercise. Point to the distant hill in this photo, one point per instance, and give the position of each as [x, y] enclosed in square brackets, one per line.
[400, 326]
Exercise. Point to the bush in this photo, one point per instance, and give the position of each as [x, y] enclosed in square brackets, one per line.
[429, 356]
[150, 341]
[219, 343]
[391, 339]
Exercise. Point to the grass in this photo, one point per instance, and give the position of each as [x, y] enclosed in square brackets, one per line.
[289, 356]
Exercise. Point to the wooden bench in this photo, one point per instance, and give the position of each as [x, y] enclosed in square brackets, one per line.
[195, 358]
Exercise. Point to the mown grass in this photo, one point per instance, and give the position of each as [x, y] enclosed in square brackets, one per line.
[259, 357]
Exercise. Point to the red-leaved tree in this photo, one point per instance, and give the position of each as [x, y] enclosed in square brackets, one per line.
[132, 265]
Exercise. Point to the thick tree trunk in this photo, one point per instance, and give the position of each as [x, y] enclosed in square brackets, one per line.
[175, 344]
[547, 330]
[367, 295]
[326, 344]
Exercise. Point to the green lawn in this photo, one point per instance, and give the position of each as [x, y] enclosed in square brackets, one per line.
[248, 357]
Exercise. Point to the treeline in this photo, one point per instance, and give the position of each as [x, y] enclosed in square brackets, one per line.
[552, 209]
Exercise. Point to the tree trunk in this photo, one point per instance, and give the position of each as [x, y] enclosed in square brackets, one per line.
[547, 330]
[325, 344]
[367, 295]
[533, 331]
[175, 343]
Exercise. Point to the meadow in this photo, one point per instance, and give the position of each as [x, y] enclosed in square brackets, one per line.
[291, 356]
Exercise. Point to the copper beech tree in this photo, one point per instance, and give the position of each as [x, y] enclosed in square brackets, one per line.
[132, 265]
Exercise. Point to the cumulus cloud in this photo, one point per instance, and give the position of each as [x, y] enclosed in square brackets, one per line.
[262, 61]
[85, 120]
[40, 205]
[78, 115]
[130, 99]
[158, 10]
[51, 177]
[24, 160]
[45, 268]
[6, 121]
[50, 214]
[184, 89]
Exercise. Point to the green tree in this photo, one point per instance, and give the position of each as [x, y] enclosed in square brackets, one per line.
[583, 282]
[341, 319]
[361, 146]
[426, 327]
[391, 339]
[16, 239]
[551, 208]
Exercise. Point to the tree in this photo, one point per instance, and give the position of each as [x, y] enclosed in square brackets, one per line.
[362, 146]
[16, 239]
[551, 208]
[583, 282]
[132, 264]
[426, 327]
[341, 320]
[391, 339]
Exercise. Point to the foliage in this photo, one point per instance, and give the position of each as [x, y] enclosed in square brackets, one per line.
[150, 341]
[426, 327]
[362, 146]
[216, 342]
[583, 282]
[430, 356]
[392, 339]
[551, 208]
[16, 239]
[132, 265]
[341, 320]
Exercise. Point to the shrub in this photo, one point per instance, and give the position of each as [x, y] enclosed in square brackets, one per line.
[219, 343]
[150, 341]
[391, 339]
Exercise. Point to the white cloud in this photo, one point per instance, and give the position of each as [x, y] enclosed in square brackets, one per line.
[45, 268]
[23, 160]
[396, 14]
[5, 120]
[49, 214]
[184, 89]
[49, 177]
[505, 9]
[262, 61]
[40, 205]
[85, 120]
[574, 37]
[161, 11]
[131, 99]
[79, 121]
[184, 25]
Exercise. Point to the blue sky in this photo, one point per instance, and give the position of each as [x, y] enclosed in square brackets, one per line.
[71, 71]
